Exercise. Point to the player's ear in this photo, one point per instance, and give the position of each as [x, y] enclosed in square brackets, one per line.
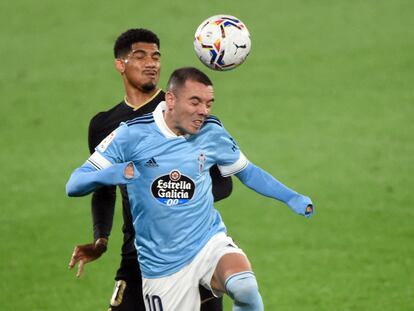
[120, 65]
[170, 99]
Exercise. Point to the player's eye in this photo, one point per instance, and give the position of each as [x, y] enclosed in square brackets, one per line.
[156, 56]
[139, 55]
[209, 104]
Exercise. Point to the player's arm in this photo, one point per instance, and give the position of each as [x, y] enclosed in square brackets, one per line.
[102, 209]
[222, 186]
[262, 182]
[82, 181]
[231, 161]
[107, 166]
[103, 206]
[103, 199]
[87, 178]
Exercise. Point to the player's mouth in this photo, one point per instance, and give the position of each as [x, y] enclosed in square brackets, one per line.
[150, 73]
[198, 123]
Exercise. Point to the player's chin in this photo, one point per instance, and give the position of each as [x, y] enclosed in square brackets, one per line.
[149, 86]
[194, 129]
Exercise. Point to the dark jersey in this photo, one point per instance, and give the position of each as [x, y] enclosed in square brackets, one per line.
[103, 200]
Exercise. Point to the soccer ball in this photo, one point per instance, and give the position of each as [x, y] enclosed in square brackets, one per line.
[222, 42]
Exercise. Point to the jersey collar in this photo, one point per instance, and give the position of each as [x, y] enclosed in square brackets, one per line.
[135, 108]
[160, 121]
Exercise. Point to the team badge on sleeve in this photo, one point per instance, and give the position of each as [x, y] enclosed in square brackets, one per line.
[173, 189]
[105, 143]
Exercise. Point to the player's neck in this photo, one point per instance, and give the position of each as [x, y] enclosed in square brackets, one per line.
[170, 124]
[137, 99]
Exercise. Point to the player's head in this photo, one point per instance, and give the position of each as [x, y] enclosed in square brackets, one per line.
[137, 58]
[189, 99]
[123, 44]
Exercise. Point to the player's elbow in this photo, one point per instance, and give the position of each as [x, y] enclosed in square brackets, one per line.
[72, 190]
[74, 187]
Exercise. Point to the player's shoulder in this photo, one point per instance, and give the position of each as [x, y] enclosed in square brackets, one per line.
[102, 117]
[160, 96]
[213, 128]
[212, 121]
[141, 126]
[144, 119]
[132, 132]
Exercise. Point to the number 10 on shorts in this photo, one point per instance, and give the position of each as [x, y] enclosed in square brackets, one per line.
[153, 303]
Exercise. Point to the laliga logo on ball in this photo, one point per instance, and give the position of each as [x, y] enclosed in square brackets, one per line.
[222, 42]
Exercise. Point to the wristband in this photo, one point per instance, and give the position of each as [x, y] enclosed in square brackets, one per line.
[101, 244]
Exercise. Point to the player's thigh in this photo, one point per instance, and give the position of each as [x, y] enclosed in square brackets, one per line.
[228, 265]
[127, 296]
[218, 247]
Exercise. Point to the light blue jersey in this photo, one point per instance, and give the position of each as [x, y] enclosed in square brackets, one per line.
[171, 200]
[170, 195]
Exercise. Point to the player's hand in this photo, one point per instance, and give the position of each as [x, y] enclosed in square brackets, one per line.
[86, 253]
[302, 205]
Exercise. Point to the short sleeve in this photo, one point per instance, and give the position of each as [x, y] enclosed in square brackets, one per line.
[230, 160]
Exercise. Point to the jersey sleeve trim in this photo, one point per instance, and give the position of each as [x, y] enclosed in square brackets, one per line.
[98, 161]
[239, 165]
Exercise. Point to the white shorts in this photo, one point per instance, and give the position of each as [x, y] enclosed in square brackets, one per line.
[179, 291]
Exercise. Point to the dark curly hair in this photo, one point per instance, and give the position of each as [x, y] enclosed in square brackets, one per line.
[123, 43]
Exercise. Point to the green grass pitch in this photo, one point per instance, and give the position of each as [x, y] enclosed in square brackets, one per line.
[325, 102]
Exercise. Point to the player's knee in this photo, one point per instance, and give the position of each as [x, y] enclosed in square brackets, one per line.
[243, 289]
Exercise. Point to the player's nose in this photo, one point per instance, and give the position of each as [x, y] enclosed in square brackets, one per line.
[150, 62]
[203, 110]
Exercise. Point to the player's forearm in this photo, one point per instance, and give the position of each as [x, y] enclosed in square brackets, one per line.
[265, 184]
[103, 206]
[86, 179]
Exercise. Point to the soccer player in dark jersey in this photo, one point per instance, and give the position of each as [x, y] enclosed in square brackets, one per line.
[137, 59]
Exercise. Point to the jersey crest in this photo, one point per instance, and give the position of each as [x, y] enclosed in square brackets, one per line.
[201, 161]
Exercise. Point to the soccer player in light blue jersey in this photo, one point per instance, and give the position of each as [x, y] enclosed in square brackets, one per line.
[163, 158]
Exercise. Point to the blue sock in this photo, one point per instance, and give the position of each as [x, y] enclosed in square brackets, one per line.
[242, 288]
